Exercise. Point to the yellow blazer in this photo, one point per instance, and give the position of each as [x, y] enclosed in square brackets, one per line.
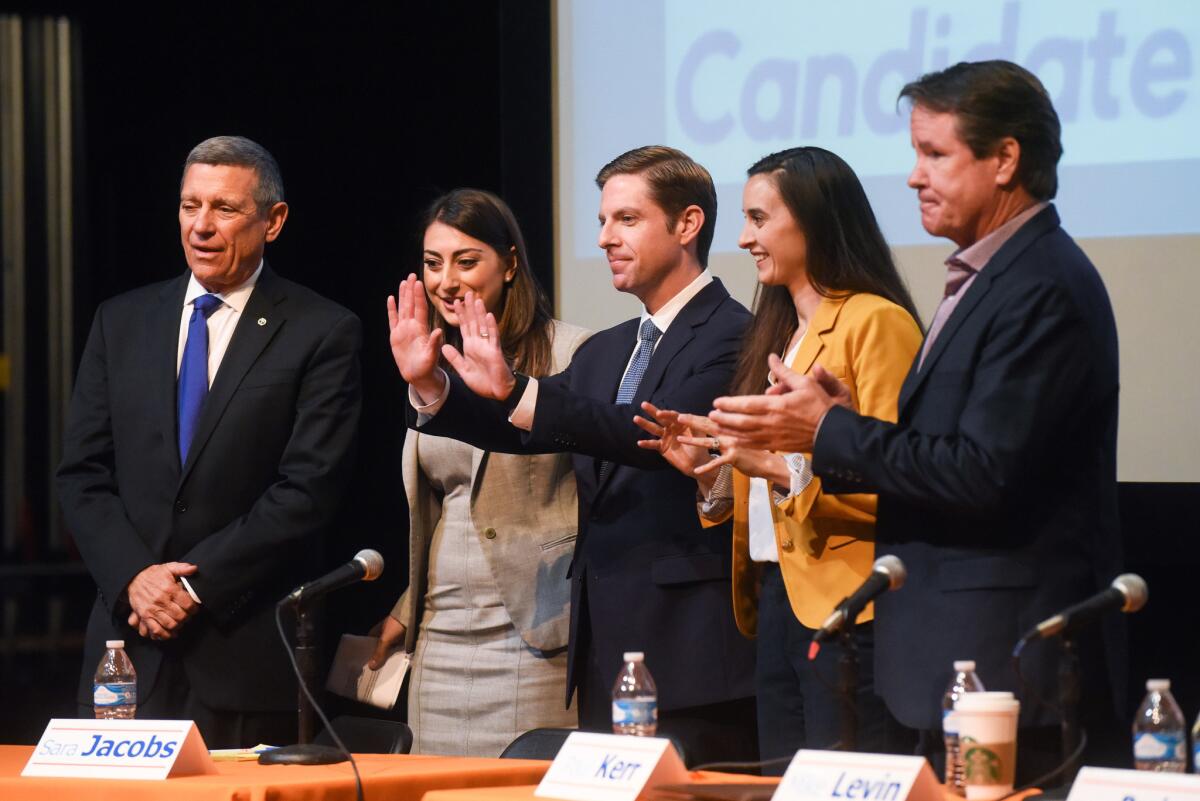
[827, 542]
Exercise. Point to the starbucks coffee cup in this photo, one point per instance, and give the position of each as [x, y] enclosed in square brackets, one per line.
[987, 736]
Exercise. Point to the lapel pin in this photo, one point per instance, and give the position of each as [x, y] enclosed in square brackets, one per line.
[262, 320]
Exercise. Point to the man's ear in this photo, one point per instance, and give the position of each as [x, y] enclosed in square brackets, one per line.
[276, 217]
[691, 220]
[1008, 159]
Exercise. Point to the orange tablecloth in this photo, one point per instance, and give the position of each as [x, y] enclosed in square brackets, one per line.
[525, 793]
[394, 777]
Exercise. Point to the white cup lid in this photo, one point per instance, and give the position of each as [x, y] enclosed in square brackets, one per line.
[987, 702]
[964, 666]
[634, 656]
[1158, 685]
[114, 643]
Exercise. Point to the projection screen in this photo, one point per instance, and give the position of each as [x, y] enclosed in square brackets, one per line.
[729, 83]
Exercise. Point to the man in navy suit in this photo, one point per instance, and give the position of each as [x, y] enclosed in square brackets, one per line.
[207, 449]
[646, 576]
[997, 485]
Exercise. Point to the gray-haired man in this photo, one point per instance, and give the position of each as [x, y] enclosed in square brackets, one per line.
[207, 450]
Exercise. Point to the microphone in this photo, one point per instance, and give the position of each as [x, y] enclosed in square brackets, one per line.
[888, 573]
[365, 566]
[1128, 593]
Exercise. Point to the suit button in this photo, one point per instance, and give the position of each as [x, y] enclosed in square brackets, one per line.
[180, 507]
[490, 533]
[787, 544]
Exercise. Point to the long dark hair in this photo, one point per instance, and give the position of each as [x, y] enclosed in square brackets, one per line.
[846, 252]
[525, 319]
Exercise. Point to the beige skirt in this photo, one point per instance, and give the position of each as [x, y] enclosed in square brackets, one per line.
[475, 684]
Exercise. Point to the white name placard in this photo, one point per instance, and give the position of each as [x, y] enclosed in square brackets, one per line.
[839, 775]
[1108, 784]
[119, 749]
[610, 767]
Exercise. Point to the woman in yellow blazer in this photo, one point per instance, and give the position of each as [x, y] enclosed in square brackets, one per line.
[828, 294]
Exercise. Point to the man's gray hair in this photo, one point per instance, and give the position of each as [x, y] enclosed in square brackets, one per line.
[238, 151]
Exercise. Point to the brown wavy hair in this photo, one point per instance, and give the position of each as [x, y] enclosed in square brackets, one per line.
[525, 319]
[994, 99]
[675, 182]
[846, 252]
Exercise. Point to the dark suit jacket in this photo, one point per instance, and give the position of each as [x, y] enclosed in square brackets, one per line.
[997, 487]
[657, 581]
[265, 474]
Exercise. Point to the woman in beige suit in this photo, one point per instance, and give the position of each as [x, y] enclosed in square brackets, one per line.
[485, 614]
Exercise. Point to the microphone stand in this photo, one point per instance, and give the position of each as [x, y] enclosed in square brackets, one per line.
[306, 658]
[305, 653]
[847, 686]
[1068, 699]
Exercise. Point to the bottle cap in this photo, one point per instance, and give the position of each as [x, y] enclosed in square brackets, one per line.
[964, 666]
[634, 656]
[1158, 685]
[114, 643]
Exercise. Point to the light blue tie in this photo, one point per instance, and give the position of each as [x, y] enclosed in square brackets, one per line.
[648, 335]
[193, 371]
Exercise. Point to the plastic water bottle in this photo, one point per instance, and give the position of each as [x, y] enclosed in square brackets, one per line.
[1196, 746]
[965, 681]
[114, 690]
[1159, 731]
[635, 698]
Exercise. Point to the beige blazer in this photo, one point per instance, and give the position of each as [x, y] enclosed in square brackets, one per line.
[525, 514]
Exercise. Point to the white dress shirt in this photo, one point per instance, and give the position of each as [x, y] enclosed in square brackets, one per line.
[760, 518]
[221, 322]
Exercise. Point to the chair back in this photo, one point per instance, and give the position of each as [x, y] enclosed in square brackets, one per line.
[545, 744]
[536, 744]
[369, 735]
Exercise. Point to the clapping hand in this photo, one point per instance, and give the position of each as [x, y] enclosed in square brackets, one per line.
[414, 346]
[692, 443]
[669, 439]
[481, 365]
[787, 416]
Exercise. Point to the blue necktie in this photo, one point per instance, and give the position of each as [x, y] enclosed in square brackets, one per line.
[648, 335]
[193, 371]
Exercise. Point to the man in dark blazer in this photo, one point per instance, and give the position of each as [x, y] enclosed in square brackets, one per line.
[208, 446]
[646, 576]
[997, 486]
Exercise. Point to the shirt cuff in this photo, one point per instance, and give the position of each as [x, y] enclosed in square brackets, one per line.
[188, 586]
[426, 411]
[716, 504]
[800, 470]
[522, 416]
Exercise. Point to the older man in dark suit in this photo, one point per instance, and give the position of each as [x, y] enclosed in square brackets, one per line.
[997, 485]
[208, 446]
